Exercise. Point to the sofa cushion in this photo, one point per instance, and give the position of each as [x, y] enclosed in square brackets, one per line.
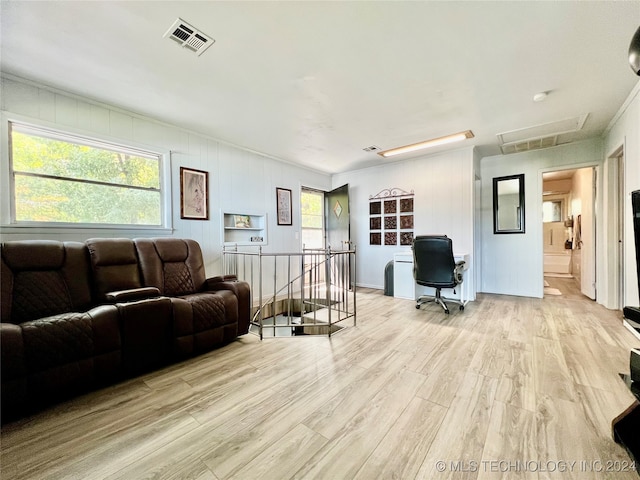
[172, 249]
[175, 266]
[114, 262]
[39, 294]
[177, 279]
[33, 254]
[41, 278]
[57, 340]
[208, 310]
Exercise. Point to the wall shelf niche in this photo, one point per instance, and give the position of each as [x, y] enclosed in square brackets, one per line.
[244, 228]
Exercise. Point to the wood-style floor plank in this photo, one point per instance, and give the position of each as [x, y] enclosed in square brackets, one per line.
[506, 383]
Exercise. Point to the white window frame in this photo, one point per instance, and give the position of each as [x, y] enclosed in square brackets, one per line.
[8, 220]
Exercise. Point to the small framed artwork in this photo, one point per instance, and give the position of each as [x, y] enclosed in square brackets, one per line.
[242, 221]
[283, 199]
[194, 194]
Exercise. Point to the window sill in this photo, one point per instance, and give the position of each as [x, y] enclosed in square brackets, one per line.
[62, 229]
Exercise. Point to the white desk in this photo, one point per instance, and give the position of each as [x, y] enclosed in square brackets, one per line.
[404, 285]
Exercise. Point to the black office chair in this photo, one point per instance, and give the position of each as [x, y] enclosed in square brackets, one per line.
[434, 266]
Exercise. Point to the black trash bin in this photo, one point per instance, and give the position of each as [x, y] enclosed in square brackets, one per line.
[388, 279]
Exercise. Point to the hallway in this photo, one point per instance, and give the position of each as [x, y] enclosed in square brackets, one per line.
[565, 286]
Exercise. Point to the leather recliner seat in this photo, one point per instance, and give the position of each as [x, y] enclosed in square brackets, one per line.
[145, 318]
[205, 311]
[55, 342]
[80, 315]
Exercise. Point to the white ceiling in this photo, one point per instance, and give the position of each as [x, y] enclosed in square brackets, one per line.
[314, 83]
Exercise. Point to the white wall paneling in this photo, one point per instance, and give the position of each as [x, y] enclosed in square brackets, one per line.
[443, 204]
[453, 192]
[238, 179]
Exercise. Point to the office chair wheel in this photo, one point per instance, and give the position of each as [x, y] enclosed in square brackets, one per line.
[461, 308]
[418, 306]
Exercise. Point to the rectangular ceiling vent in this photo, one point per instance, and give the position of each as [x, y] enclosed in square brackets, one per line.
[189, 37]
[525, 146]
[541, 136]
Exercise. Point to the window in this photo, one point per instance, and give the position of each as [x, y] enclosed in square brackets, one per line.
[552, 211]
[311, 206]
[66, 179]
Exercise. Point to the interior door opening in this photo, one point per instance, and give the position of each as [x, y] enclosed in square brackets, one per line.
[569, 252]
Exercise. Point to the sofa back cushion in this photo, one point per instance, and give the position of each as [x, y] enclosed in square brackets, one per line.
[114, 262]
[41, 278]
[174, 266]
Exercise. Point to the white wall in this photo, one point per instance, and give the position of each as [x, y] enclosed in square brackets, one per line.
[623, 131]
[443, 204]
[453, 192]
[239, 180]
[512, 264]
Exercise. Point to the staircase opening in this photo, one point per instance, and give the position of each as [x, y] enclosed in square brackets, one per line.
[312, 292]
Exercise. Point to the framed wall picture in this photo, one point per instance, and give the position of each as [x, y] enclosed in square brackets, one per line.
[283, 199]
[194, 194]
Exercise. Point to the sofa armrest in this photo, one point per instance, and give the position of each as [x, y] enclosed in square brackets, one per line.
[132, 295]
[213, 281]
[242, 292]
[13, 364]
[14, 370]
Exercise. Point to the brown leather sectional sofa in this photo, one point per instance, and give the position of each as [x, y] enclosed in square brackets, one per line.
[77, 316]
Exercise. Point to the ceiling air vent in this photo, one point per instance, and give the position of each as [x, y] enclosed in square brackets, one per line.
[189, 37]
[534, 144]
[541, 136]
[372, 148]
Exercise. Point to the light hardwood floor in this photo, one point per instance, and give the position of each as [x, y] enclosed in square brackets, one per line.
[510, 388]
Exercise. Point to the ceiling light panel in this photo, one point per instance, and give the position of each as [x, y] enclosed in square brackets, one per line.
[434, 142]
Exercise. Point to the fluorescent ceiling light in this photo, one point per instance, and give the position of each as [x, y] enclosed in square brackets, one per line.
[434, 142]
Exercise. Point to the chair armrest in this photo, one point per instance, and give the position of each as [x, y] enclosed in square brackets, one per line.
[132, 294]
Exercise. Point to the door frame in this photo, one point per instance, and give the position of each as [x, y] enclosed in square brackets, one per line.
[597, 183]
[615, 162]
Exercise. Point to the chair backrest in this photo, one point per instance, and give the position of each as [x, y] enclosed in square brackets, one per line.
[173, 265]
[41, 278]
[114, 263]
[433, 262]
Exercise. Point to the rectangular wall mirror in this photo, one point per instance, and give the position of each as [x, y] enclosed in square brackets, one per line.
[508, 204]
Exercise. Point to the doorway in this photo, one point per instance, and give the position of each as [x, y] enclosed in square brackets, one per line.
[325, 218]
[337, 218]
[569, 239]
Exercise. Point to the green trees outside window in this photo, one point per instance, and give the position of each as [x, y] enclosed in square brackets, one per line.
[311, 206]
[67, 179]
